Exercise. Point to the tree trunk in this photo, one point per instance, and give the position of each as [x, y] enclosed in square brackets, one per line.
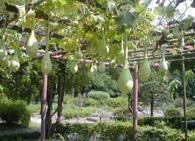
[152, 106]
[48, 114]
[61, 86]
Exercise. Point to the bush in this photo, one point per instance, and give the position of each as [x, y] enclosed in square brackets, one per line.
[98, 95]
[14, 112]
[191, 114]
[172, 112]
[117, 102]
[104, 131]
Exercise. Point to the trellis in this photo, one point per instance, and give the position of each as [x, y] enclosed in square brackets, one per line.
[186, 53]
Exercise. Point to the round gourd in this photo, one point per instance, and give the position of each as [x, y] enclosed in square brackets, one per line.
[46, 65]
[3, 54]
[101, 67]
[32, 45]
[14, 63]
[74, 67]
[125, 81]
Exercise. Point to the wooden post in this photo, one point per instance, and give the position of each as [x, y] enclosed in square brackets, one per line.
[135, 103]
[43, 107]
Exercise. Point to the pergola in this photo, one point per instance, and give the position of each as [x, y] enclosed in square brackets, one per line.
[186, 52]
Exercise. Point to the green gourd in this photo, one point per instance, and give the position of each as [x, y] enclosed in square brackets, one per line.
[121, 55]
[145, 70]
[163, 67]
[74, 67]
[46, 65]
[92, 71]
[78, 54]
[103, 49]
[3, 54]
[15, 63]
[125, 80]
[101, 67]
[32, 44]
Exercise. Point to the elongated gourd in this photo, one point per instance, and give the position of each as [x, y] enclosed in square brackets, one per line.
[32, 44]
[92, 71]
[74, 67]
[125, 81]
[163, 67]
[103, 49]
[3, 54]
[121, 55]
[78, 54]
[144, 70]
[46, 65]
[15, 63]
[101, 67]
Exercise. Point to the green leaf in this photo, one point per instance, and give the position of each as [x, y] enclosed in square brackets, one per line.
[126, 19]
[188, 74]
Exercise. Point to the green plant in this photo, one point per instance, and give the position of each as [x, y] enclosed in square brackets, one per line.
[191, 113]
[98, 95]
[117, 102]
[14, 112]
[173, 112]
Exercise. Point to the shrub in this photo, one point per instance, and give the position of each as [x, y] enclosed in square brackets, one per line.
[117, 102]
[14, 112]
[92, 102]
[104, 131]
[191, 114]
[98, 95]
[172, 112]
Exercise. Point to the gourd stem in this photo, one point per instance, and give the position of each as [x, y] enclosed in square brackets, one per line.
[145, 48]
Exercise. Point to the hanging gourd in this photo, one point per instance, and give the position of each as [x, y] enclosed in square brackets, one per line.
[3, 54]
[32, 44]
[78, 54]
[15, 63]
[121, 55]
[92, 70]
[74, 67]
[125, 80]
[163, 67]
[46, 65]
[103, 49]
[144, 70]
[101, 67]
